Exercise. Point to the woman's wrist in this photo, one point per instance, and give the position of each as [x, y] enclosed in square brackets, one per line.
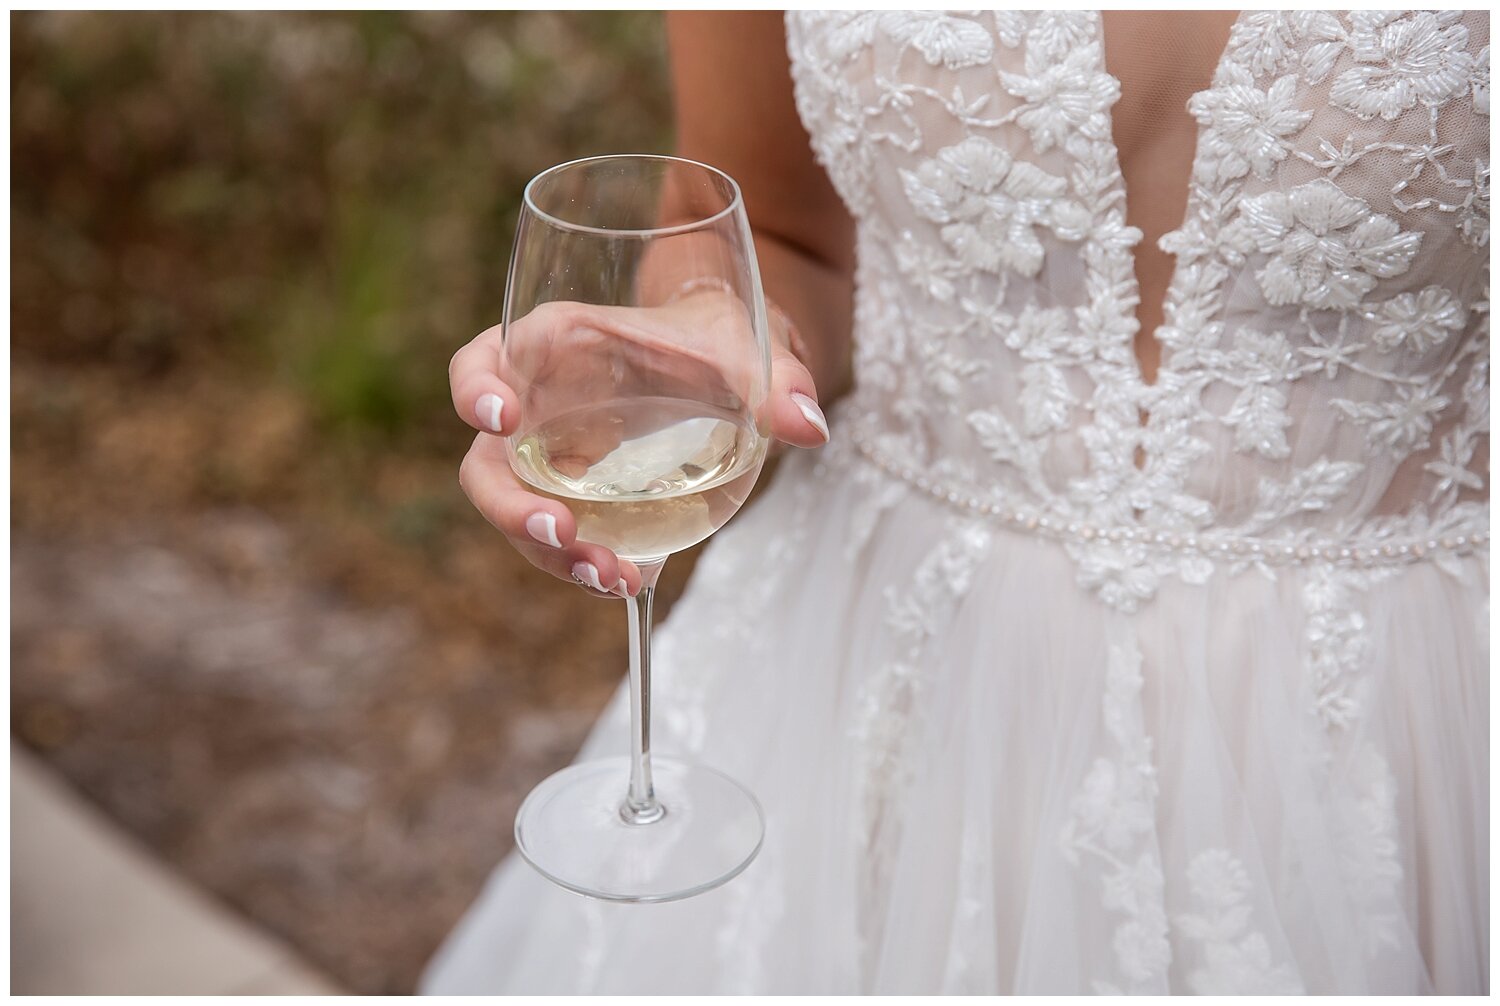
[783, 328]
[698, 285]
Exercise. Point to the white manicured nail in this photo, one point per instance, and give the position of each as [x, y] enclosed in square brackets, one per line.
[586, 574]
[623, 588]
[487, 411]
[543, 527]
[811, 413]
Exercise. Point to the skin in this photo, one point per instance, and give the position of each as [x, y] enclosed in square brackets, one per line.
[1156, 136]
[735, 110]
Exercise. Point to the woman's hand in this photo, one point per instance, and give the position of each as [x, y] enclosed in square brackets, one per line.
[568, 344]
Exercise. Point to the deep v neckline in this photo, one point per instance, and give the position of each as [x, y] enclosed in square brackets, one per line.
[1155, 386]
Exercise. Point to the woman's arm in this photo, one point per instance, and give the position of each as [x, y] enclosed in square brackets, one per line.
[735, 110]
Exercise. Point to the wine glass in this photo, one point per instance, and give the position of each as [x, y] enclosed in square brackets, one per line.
[636, 335]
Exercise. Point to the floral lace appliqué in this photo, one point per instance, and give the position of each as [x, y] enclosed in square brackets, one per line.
[1113, 822]
[989, 205]
[1236, 960]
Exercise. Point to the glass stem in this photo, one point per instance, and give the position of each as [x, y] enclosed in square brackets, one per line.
[641, 805]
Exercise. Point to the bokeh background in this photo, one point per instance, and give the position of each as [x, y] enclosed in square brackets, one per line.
[254, 618]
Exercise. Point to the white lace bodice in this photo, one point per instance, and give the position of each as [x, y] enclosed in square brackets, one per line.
[1323, 391]
[988, 780]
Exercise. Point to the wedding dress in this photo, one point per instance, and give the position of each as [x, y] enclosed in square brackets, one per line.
[1053, 679]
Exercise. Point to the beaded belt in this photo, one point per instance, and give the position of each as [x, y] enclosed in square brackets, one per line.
[1221, 545]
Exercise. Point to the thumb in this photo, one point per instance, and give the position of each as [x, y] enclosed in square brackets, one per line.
[796, 418]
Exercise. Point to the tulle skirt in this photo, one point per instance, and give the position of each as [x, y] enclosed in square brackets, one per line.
[979, 778]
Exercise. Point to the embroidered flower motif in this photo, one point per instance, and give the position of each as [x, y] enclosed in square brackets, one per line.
[889, 701]
[1309, 490]
[1267, 359]
[1265, 42]
[941, 39]
[830, 105]
[1044, 399]
[1236, 960]
[876, 496]
[1474, 211]
[1003, 443]
[1364, 808]
[1054, 34]
[1401, 422]
[1141, 946]
[1260, 363]
[1327, 248]
[1262, 41]
[1122, 575]
[930, 273]
[1476, 393]
[1063, 96]
[1452, 465]
[945, 370]
[1334, 159]
[1112, 819]
[1413, 58]
[1101, 809]
[1252, 124]
[1479, 82]
[1369, 847]
[1133, 887]
[1010, 27]
[880, 314]
[1324, 38]
[1420, 321]
[847, 32]
[991, 204]
[1218, 880]
[1260, 421]
[1041, 333]
[1336, 645]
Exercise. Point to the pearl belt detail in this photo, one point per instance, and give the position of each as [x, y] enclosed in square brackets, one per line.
[1222, 545]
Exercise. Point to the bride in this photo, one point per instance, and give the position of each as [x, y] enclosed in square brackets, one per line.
[1129, 634]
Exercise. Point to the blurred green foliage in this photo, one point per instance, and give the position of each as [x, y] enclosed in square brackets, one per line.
[244, 247]
[321, 200]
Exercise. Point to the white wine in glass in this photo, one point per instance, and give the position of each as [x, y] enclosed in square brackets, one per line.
[636, 336]
[684, 472]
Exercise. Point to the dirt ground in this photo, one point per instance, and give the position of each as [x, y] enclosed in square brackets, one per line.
[329, 727]
[253, 617]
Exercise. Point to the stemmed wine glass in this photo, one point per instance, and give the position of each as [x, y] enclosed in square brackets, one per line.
[636, 335]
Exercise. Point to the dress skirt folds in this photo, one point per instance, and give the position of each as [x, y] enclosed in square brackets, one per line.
[1051, 678]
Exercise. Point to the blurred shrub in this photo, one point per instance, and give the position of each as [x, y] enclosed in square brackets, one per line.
[324, 200]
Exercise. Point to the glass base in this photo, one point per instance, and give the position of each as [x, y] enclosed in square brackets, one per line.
[570, 828]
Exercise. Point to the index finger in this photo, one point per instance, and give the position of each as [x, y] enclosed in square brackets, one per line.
[480, 397]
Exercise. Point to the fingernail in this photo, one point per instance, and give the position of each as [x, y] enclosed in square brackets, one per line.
[586, 574]
[543, 527]
[487, 411]
[622, 588]
[811, 413]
